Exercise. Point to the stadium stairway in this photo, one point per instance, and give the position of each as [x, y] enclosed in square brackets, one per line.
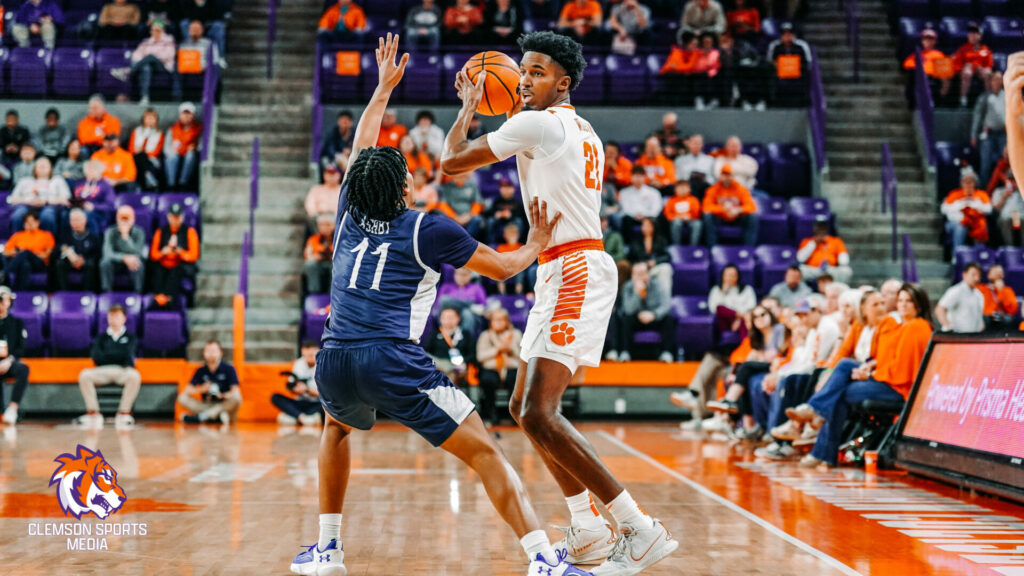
[862, 115]
[278, 111]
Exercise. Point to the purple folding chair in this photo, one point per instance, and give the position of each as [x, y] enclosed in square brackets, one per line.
[802, 214]
[314, 315]
[108, 59]
[131, 302]
[72, 71]
[423, 75]
[691, 267]
[740, 256]
[1012, 260]
[695, 332]
[773, 214]
[163, 332]
[72, 325]
[629, 74]
[772, 262]
[33, 308]
[592, 89]
[29, 68]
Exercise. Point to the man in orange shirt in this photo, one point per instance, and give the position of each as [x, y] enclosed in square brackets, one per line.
[1000, 300]
[728, 202]
[27, 251]
[932, 59]
[96, 124]
[120, 165]
[174, 253]
[343, 22]
[661, 173]
[682, 211]
[319, 255]
[822, 254]
[462, 23]
[617, 168]
[972, 60]
[181, 146]
[581, 18]
[965, 210]
[391, 131]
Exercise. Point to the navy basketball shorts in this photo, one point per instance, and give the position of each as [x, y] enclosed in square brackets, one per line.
[394, 377]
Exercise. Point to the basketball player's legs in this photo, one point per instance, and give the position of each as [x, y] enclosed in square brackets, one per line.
[334, 465]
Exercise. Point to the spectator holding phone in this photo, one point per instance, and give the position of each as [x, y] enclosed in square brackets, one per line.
[213, 393]
[303, 404]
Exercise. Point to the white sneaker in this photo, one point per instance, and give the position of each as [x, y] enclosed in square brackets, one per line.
[684, 399]
[776, 451]
[713, 424]
[286, 420]
[11, 415]
[144, 101]
[586, 545]
[539, 565]
[698, 103]
[225, 418]
[91, 420]
[612, 356]
[122, 421]
[809, 461]
[331, 560]
[760, 107]
[625, 357]
[691, 425]
[638, 547]
[309, 419]
[666, 357]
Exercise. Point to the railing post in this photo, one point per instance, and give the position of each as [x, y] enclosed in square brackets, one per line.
[817, 112]
[925, 106]
[254, 191]
[210, 80]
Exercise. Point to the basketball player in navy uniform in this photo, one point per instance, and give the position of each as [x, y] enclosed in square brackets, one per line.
[387, 261]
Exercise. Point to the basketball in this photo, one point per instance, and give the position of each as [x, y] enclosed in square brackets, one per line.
[501, 85]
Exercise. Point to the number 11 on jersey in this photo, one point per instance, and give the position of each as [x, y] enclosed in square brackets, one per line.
[360, 251]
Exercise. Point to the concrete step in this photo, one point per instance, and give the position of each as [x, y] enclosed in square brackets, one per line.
[253, 316]
[262, 264]
[869, 146]
[265, 125]
[923, 250]
[290, 154]
[256, 334]
[266, 233]
[244, 139]
[869, 89]
[281, 352]
[846, 126]
[272, 169]
[866, 65]
[256, 301]
[870, 173]
[259, 284]
[849, 159]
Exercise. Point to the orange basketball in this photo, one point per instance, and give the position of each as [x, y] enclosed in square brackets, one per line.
[501, 85]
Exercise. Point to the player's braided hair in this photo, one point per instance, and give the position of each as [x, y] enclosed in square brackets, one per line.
[376, 183]
[567, 52]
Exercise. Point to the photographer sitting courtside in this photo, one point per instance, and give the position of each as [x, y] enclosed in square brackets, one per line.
[216, 383]
[304, 404]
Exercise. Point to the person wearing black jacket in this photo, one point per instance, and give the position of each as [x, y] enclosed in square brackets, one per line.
[12, 346]
[12, 136]
[506, 209]
[80, 251]
[652, 249]
[212, 18]
[113, 352]
[452, 350]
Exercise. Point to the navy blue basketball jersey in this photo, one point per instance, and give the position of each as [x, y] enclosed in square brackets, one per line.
[385, 274]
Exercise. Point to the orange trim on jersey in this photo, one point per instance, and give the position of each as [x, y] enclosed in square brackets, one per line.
[573, 289]
[568, 248]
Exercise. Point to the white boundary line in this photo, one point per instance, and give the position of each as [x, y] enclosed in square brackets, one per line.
[734, 507]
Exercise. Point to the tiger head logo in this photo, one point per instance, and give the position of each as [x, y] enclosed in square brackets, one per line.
[86, 484]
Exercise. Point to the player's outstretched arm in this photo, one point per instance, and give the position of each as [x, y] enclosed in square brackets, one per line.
[461, 155]
[502, 266]
[1013, 85]
[389, 74]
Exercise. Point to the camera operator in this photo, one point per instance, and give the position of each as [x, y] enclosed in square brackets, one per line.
[215, 384]
[303, 406]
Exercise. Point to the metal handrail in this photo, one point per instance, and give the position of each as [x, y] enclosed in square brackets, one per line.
[889, 189]
[254, 191]
[925, 106]
[817, 112]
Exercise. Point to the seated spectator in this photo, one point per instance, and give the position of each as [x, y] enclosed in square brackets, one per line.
[676, 71]
[119, 20]
[744, 166]
[465, 297]
[497, 352]
[155, 54]
[391, 131]
[27, 252]
[12, 349]
[42, 192]
[743, 21]
[525, 280]
[644, 305]
[26, 166]
[450, 347]
[424, 195]
[581, 19]
[659, 170]
[96, 124]
[618, 169]
[72, 166]
[302, 405]
[616, 248]
[506, 209]
[704, 79]
[1009, 207]
[146, 146]
[41, 18]
[732, 294]
[80, 250]
[823, 253]
[462, 23]
[962, 308]
[338, 143]
[52, 138]
[13, 136]
[728, 202]
[323, 198]
[95, 196]
[210, 16]
[194, 50]
[503, 20]
[113, 352]
[631, 22]
[215, 383]
[636, 202]
[461, 201]
[173, 255]
[792, 289]
[342, 22]
[427, 135]
[652, 249]
[937, 66]
[1001, 304]
[792, 59]
[682, 212]
[744, 75]
[972, 60]
[965, 209]
[415, 158]
[695, 166]
[423, 26]
[124, 250]
[701, 16]
[119, 166]
[181, 147]
[318, 255]
[988, 125]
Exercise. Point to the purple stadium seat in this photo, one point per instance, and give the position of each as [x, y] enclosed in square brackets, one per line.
[1002, 34]
[72, 71]
[993, 7]
[952, 33]
[691, 267]
[190, 202]
[538, 24]
[451, 64]
[4, 57]
[630, 79]
[771, 28]
[741, 256]
[1012, 260]
[447, 274]
[163, 331]
[790, 170]
[956, 8]
[490, 180]
[803, 212]
[592, 89]
[967, 254]
[914, 9]
[29, 70]
[694, 324]
[36, 280]
[772, 262]
[423, 78]
[131, 302]
[72, 325]
[773, 214]
[369, 69]
[999, 61]
[314, 314]
[136, 201]
[108, 59]
[33, 308]
[381, 25]
[334, 88]
[663, 31]
[383, 8]
[949, 159]
[518, 308]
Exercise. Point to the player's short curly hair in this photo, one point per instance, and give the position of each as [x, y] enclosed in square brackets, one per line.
[375, 183]
[567, 52]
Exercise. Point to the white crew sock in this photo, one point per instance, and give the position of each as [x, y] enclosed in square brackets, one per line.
[584, 513]
[330, 529]
[537, 542]
[625, 511]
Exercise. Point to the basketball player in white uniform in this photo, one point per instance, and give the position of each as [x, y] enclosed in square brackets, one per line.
[561, 161]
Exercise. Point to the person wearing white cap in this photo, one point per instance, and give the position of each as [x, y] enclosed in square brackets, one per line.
[12, 346]
[181, 145]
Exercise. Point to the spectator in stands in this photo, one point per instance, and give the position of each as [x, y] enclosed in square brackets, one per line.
[512, 241]
[451, 347]
[52, 138]
[12, 348]
[1001, 304]
[164, 10]
[962, 308]
[618, 169]
[461, 201]
[155, 54]
[636, 202]
[988, 125]
[428, 136]
[323, 198]
[113, 352]
[701, 16]
[317, 255]
[965, 209]
[95, 196]
[682, 212]
[124, 250]
[497, 352]
[416, 159]
[652, 249]
[695, 166]
[80, 250]
[210, 17]
[616, 248]
[181, 147]
[119, 20]
[704, 76]
[506, 209]
[13, 136]
[216, 383]
[582, 20]
[744, 166]
[1009, 204]
[644, 305]
[659, 170]
[678, 67]
[303, 403]
[391, 131]
[96, 124]
[744, 21]
[72, 166]
[503, 20]
[731, 293]
[423, 26]
[890, 291]
[822, 252]
[42, 192]
[744, 73]
[41, 18]
[27, 252]
[119, 165]
[728, 202]
[338, 144]
[668, 135]
[26, 167]
[464, 296]
[937, 66]
[792, 289]
[424, 196]
[342, 22]
[792, 58]
[631, 22]
[972, 60]
[462, 23]
[173, 255]
[146, 146]
[194, 50]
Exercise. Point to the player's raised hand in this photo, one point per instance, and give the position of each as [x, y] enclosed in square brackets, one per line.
[471, 94]
[541, 229]
[388, 70]
[1013, 84]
